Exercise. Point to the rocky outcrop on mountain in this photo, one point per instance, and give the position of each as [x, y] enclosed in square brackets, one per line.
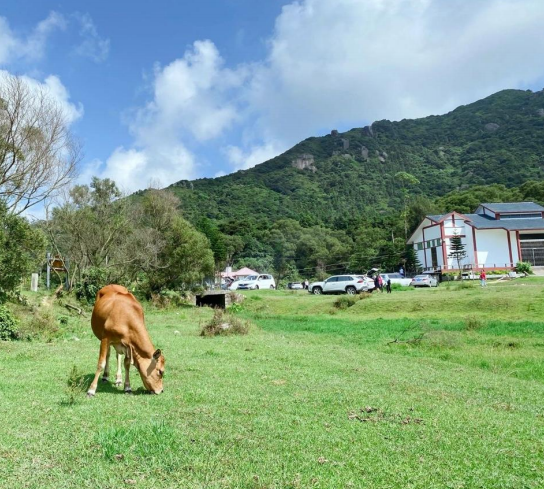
[491, 127]
[305, 162]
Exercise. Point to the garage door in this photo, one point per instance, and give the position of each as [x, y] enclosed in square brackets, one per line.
[532, 251]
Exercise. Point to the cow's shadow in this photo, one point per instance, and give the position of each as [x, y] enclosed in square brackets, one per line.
[107, 387]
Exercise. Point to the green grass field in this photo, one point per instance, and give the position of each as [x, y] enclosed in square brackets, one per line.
[313, 396]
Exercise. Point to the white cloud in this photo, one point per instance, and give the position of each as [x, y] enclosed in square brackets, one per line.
[58, 93]
[351, 61]
[31, 47]
[330, 64]
[92, 46]
[242, 160]
[196, 94]
[134, 169]
[194, 100]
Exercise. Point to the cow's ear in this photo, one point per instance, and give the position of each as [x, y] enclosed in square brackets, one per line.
[157, 354]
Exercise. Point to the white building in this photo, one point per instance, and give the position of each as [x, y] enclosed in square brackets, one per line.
[496, 236]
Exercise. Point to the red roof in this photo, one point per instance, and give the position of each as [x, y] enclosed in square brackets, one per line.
[243, 272]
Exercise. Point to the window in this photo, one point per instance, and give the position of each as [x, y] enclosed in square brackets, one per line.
[535, 215]
[330, 280]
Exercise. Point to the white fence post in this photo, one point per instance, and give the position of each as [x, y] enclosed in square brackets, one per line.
[34, 282]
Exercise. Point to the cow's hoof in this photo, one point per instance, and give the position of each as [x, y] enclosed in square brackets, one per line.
[90, 394]
[105, 379]
[118, 383]
[128, 391]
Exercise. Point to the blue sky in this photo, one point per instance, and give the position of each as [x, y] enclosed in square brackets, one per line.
[169, 90]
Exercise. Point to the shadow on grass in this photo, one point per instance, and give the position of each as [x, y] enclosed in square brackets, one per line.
[77, 387]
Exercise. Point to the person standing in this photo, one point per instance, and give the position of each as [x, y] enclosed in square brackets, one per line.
[401, 271]
[306, 284]
[483, 279]
[380, 283]
[388, 286]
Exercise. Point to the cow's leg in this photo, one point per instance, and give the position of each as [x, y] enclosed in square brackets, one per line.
[104, 348]
[106, 375]
[127, 373]
[119, 375]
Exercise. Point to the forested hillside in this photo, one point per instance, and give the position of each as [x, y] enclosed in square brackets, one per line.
[366, 188]
[497, 140]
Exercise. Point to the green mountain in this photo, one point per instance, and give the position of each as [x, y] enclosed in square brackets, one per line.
[321, 180]
[347, 201]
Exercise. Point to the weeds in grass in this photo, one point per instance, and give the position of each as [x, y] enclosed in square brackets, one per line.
[75, 387]
[473, 323]
[224, 324]
[346, 301]
[235, 308]
[40, 324]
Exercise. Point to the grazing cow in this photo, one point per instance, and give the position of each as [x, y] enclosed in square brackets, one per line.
[118, 321]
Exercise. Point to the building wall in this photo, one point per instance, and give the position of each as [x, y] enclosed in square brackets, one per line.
[492, 247]
[515, 252]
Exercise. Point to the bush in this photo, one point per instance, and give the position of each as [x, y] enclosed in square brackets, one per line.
[172, 298]
[92, 281]
[524, 267]
[9, 326]
[473, 323]
[224, 324]
[345, 301]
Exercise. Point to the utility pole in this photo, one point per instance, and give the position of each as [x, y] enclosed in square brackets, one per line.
[48, 282]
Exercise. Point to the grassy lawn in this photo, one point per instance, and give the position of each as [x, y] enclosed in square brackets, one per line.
[314, 396]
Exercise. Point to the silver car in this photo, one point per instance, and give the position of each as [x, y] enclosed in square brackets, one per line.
[424, 281]
[339, 284]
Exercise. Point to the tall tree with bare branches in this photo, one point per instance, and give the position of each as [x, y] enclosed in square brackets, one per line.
[38, 153]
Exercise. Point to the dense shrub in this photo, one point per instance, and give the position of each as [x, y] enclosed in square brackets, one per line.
[223, 324]
[524, 267]
[92, 281]
[172, 298]
[9, 326]
[21, 249]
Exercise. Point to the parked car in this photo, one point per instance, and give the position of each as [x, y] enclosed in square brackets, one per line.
[368, 283]
[424, 281]
[255, 282]
[396, 278]
[235, 283]
[339, 284]
[295, 286]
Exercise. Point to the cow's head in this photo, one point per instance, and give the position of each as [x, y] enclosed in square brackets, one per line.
[153, 373]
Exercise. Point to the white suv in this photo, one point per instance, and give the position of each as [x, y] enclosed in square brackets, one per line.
[340, 284]
[256, 282]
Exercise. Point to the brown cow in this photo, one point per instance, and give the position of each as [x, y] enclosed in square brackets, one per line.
[118, 321]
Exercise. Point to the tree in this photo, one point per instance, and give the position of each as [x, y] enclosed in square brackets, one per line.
[22, 247]
[406, 180]
[38, 154]
[457, 250]
[93, 227]
[185, 259]
[412, 263]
